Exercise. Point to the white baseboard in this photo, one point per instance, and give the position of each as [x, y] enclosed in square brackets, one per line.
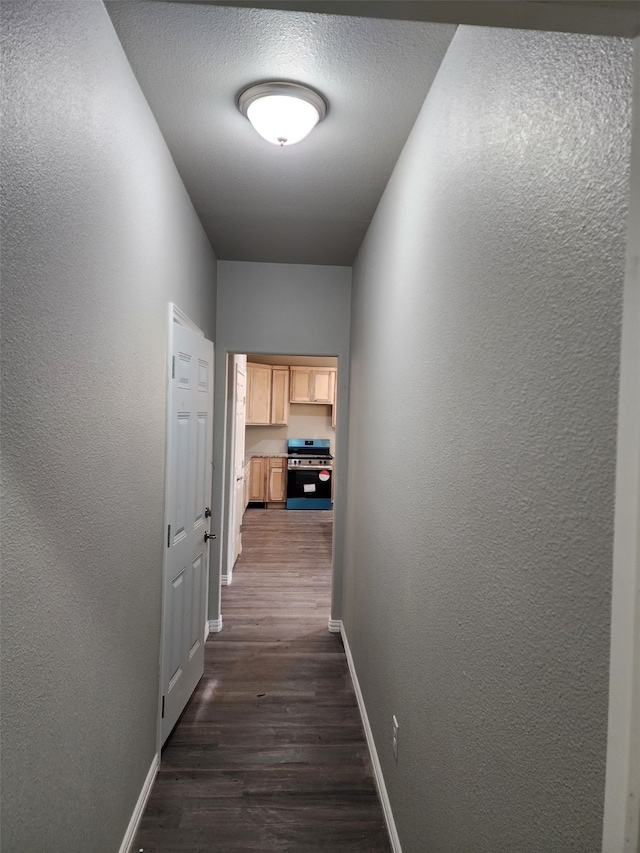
[375, 761]
[226, 580]
[134, 823]
[215, 625]
[335, 626]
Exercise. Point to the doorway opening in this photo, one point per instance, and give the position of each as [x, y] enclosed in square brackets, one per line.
[272, 401]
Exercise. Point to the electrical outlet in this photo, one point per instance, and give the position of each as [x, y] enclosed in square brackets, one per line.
[395, 738]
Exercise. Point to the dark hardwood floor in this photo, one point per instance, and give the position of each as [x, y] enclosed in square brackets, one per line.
[270, 753]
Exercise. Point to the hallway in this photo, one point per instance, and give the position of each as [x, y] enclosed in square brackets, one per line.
[270, 753]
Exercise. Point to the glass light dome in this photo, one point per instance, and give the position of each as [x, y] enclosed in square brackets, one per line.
[282, 113]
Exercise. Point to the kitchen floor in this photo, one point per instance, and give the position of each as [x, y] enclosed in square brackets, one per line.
[270, 752]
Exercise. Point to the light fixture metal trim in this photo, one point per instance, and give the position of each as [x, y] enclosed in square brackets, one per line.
[280, 87]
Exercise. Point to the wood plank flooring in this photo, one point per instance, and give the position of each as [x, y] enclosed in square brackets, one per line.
[270, 753]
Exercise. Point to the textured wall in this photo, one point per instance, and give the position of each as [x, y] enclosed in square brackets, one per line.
[306, 420]
[98, 236]
[288, 309]
[485, 347]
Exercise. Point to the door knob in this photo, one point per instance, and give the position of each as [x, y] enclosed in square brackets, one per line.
[208, 536]
[207, 512]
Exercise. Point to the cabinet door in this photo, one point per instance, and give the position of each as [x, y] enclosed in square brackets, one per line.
[280, 396]
[323, 386]
[258, 394]
[257, 479]
[277, 480]
[301, 384]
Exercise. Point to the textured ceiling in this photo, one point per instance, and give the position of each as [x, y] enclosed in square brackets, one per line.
[599, 17]
[312, 202]
[308, 203]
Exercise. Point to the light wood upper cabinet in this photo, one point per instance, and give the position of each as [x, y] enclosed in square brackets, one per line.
[258, 394]
[267, 395]
[324, 386]
[301, 384]
[313, 385]
[280, 395]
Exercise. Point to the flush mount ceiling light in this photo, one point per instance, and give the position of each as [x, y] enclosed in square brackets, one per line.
[282, 113]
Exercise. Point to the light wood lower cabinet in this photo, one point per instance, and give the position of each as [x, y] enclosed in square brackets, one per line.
[257, 480]
[277, 480]
[268, 480]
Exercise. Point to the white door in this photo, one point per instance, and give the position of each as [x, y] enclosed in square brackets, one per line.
[238, 492]
[190, 448]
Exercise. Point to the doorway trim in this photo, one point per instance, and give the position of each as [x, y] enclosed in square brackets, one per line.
[179, 317]
[228, 544]
[621, 825]
[334, 616]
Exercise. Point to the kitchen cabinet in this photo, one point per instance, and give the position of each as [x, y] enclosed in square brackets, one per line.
[276, 480]
[258, 394]
[313, 385]
[268, 479]
[267, 395]
[257, 479]
[280, 395]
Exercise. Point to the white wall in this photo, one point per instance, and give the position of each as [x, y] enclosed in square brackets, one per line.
[487, 304]
[306, 420]
[98, 236]
[287, 309]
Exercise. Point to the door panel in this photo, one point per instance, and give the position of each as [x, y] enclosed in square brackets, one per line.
[176, 629]
[321, 386]
[183, 363]
[258, 394]
[188, 493]
[280, 396]
[277, 484]
[301, 385]
[182, 449]
[200, 501]
[197, 574]
[203, 375]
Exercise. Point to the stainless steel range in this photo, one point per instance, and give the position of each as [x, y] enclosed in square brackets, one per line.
[309, 473]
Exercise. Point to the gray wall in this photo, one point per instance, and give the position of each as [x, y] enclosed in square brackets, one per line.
[98, 236]
[484, 375]
[622, 793]
[288, 309]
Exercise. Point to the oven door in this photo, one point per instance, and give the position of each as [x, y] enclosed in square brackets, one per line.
[309, 488]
